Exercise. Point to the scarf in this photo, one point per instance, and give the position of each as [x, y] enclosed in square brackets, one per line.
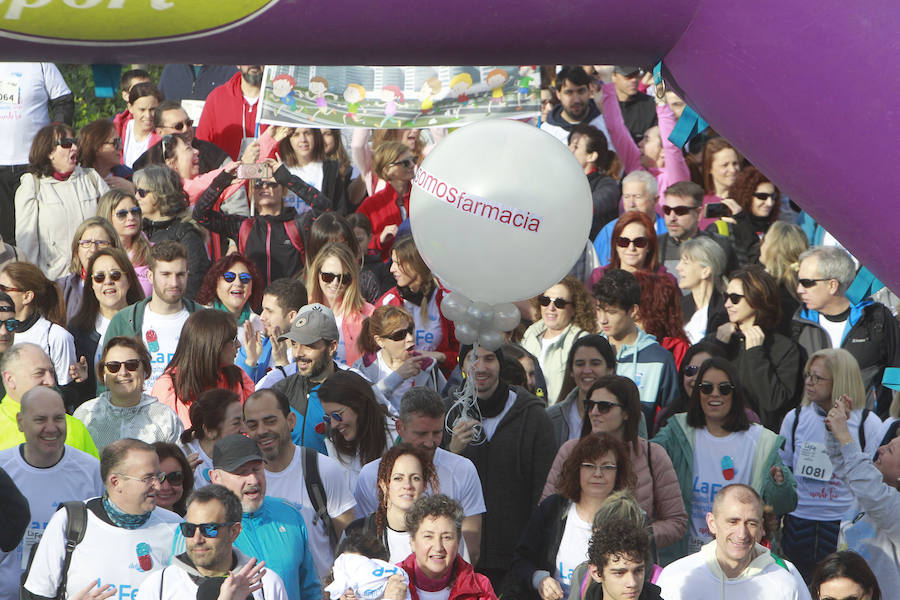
[245, 312]
[62, 176]
[28, 322]
[427, 584]
[411, 296]
[493, 405]
[123, 519]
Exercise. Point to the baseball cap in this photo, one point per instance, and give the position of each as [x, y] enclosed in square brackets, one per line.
[313, 322]
[626, 69]
[233, 451]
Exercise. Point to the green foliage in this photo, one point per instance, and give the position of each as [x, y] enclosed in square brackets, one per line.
[87, 106]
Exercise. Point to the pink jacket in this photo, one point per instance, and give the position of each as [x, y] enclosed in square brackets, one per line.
[350, 328]
[676, 168]
[164, 391]
[657, 492]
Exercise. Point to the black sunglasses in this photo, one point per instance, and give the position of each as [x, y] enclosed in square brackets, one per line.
[100, 276]
[207, 530]
[639, 242]
[113, 366]
[808, 283]
[261, 183]
[559, 303]
[141, 192]
[182, 125]
[122, 213]
[400, 334]
[116, 143]
[734, 298]
[764, 195]
[66, 142]
[174, 478]
[691, 370]
[343, 279]
[230, 276]
[602, 406]
[406, 162]
[678, 210]
[10, 324]
[725, 388]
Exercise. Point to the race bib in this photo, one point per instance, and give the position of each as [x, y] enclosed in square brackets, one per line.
[813, 462]
[10, 93]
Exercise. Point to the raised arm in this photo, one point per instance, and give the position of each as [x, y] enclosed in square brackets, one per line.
[362, 155]
[214, 220]
[676, 168]
[621, 139]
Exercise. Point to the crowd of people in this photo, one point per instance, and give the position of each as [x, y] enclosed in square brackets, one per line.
[226, 371]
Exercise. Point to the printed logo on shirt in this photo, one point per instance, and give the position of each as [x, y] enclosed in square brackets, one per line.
[728, 471]
[205, 474]
[145, 561]
[152, 341]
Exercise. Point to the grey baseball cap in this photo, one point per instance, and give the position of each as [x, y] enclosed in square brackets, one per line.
[313, 322]
[627, 69]
[235, 450]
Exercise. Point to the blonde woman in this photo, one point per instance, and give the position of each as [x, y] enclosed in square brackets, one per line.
[780, 254]
[122, 210]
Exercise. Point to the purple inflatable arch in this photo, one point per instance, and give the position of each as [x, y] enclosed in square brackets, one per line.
[806, 90]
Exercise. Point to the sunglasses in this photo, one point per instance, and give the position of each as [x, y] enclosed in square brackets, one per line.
[8, 288]
[10, 324]
[400, 334]
[113, 366]
[207, 530]
[602, 406]
[406, 162]
[94, 243]
[639, 242]
[174, 478]
[141, 192]
[691, 370]
[182, 125]
[559, 303]
[122, 213]
[343, 279]
[678, 210]
[725, 388]
[763, 196]
[327, 417]
[260, 184]
[734, 298]
[230, 276]
[100, 276]
[116, 143]
[808, 283]
[66, 142]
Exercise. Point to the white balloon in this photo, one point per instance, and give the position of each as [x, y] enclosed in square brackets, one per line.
[454, 305]
[506, 317]
[481, 314]
[500, 211]
[465, 333]
[490, 340]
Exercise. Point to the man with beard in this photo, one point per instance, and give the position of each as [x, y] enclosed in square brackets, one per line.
[229, 116]
[573, 88]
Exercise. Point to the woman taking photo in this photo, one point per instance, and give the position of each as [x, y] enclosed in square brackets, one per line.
[99, 148]
[388, 208]
[359, 429]
[700, 269]
[712, 445]
[215, 414]
[122, 210]
[556, 537]
[779, 253]
[720, 166]
[844, 574]
[123, 410]
[390, 358]
[333, 280]
[755, 203]
[767, 363]
[203, 360]
[92, 235]
[113, 286]
[811, 531]
[54, 198]
[233, 285]
[567, 313]
[613, 409]
[178, 480]
[590, 358]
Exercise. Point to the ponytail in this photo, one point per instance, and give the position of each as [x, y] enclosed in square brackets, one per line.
[366, 341]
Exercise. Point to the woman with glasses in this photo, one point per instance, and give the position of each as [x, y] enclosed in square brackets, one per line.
[811, 531]
[390, 359]
[555, 540]
[203, 360]
[54, 197]
[94, 234]
[634, 247]
[123, 211]
[394, 162]
[612, 407]
[779, 253]
[567, 314]
[136, 133]
[173, 464]
[166, 216]
[100, 148]
[358, 428]
[123, 410]
[755, 203]
[215, 414]
[333, 280]
[700, 269]
[113, 286]
[767, 362]
[712, 445]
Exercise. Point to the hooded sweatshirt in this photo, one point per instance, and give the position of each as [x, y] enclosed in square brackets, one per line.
[652, 368]
[149, 421]
[559, 128]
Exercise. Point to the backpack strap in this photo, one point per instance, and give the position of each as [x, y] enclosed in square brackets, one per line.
[76, 525]
[649, 462]
[794, 427]
[293, 233]
[244, 234]
[316, 491]
[862, 429]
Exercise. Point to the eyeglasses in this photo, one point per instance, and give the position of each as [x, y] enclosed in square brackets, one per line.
[337, 416]
[146, 480]
[400, 334]
[181, 125]
[100, 276]
[602, 406]
[816, 379]
[559, 303]
[94, 243]
[734, 298]
[168, 147]
[691, 370]
[725, 388]
[7, 289]
[406, 162]
[764, 195]
[343, 278]
[66, 142]
[131, 364]
[207, 530]
[808, 283]
[639, 242]
[261, 183]
[10, 324]
[678, 210]
[230, 276]
[174, 478]
[116, 143]
[141, 192]
[122, 213]
[603, 470]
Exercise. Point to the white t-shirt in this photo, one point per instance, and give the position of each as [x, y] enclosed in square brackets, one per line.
[443, 594]
[456, 475]
[101, 325]
[489, 424]
[351, 464]
[133, 149]
[75, 477]
[25, 91]
[161, 334]
[695, 329]
[399, 547]
[290, 485]
[174, 583]
[428, 330]
[819, 499]
[56, 342]
[834, 329]
[573, 548]
[718, 461]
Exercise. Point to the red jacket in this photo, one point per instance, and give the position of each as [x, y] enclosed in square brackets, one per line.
[448, 344]
[468, 584]
[382, 210]
[224, 113]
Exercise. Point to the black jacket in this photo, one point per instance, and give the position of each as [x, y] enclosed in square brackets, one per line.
[178, 82]
[189, 236]
[669, 249]
[14, 513]
[605, 192]
[715, 310]
[639, 114]
[539, 542]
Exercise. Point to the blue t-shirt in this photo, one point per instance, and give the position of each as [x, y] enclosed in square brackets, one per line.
[306, 428]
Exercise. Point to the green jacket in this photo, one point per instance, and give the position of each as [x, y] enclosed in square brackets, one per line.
[677, 437]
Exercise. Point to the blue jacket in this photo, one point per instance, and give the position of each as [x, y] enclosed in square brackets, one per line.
[652, 368]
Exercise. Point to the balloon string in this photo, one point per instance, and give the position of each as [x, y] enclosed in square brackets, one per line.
[466, 407]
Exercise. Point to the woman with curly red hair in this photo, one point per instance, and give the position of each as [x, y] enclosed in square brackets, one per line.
[755, 203]
[660, 313]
